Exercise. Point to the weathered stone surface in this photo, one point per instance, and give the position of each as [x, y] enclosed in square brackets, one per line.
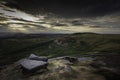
[59, 69]
[32, 65]
[64, 68]
[39, 58]
[2, 67]
[85, 59]
[65, 62]
[71, 59]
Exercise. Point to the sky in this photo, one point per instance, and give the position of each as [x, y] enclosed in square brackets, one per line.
[60, 16]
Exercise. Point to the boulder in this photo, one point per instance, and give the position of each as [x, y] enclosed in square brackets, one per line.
[65, 62]
[85, 59]
[38, 58]
[98, 64]
[67, 59]
[32, 65]
[71, 59]
[2, 67]
[68, 68]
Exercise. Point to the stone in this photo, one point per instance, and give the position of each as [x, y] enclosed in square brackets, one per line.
[85, 59]
[67, 59]
[32, 65]
[65, 62]
[71, 59]
[98, 64]
[38, 58]
[68, 68]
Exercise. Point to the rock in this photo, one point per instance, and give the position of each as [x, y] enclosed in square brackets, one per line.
[64, 68]
[98, 64]
[38, 58]
[59, 67]
[65, 62]
[32, 65]
[64, 59]
[71, 59]
[85, 59]
[2, 67]
[68, 68]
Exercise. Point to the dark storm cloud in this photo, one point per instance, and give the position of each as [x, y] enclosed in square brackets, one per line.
[100, 16]
[68, 7]
[77, 23]
[59, 24]
[4, 28]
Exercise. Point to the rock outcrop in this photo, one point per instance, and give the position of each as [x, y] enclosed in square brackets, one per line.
[60, 68]
[38, 58]
[33, 63]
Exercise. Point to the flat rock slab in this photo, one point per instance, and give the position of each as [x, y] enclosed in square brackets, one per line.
[85, 59]
[32, 64]
[68, 58]
[38, 58]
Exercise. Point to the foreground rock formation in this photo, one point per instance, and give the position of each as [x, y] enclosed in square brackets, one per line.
[33, 63]
[59, 68]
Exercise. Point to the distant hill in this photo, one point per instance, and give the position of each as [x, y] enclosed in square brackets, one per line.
[8, 35]
[52, 45]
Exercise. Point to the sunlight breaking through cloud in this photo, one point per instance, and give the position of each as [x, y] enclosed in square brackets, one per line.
[14, 20]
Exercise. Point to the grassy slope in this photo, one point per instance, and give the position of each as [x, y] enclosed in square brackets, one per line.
[73, 45]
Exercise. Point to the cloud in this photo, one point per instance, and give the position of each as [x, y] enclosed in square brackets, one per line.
[59, 24]
[13, 22]
[14, 13]
[71, 8]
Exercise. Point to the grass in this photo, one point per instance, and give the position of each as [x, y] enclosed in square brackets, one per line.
[71, 45]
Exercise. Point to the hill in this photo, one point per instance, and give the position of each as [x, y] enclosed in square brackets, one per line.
[15, 48]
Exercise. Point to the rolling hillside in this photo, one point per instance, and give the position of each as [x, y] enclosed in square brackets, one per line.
[12, 49]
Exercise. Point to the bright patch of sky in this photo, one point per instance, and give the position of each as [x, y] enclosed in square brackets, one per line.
[16, 14]
[18, 21]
